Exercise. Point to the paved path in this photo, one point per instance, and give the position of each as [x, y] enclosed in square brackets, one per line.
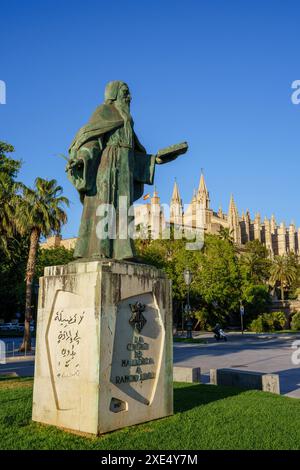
[263, 353]
[23, 368]
[21, 364]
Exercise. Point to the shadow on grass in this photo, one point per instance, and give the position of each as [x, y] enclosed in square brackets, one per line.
[187, 397]
[7, 378]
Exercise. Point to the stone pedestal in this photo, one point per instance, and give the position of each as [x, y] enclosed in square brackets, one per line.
[104, 346]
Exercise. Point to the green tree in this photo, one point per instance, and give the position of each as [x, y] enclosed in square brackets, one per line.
[225, 234]
[283, 272]
[215, 289]
[172, 257]
[52, 257]
[8, 165]
[218, 279]
[295, 284]
[39, 213]
[256, 300]
[12, 268]
[255, 263]
[8, 194]
[12, 246]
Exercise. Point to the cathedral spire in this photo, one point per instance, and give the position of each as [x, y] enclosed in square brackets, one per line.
[202, 193]
[202, 185]
[176, 195]
[176, 209]
[194, 195]
[234, 222]
[232, 206]
[273, 224]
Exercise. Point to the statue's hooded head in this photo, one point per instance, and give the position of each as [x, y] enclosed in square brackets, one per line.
[117, 91]
[118, 94]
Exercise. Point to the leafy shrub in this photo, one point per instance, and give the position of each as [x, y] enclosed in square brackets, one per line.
[203, 320]
[273, 321]
[277, 320]
[259, 325]
[256, 299]
[295, 324]
[297, 293]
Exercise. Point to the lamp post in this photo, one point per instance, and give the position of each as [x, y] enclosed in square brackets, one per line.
[188, 276]
[242, 313]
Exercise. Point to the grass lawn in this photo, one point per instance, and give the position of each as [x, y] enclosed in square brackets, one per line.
[206, 417]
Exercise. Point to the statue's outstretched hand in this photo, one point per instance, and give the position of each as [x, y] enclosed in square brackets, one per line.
[168, 154]
[161, 160]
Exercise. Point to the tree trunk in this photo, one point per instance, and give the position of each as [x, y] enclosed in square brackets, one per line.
[282, 292]
[30, 270]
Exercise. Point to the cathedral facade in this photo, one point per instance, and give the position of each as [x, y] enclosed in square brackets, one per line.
[279, 239]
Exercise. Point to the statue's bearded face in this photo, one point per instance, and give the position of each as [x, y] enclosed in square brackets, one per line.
[124, 95]
[122, 103]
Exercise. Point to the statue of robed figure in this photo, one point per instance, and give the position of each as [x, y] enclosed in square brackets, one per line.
[107, 162]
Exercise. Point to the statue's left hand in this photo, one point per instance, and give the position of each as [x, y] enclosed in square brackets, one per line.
[161, 161]
[168, 154]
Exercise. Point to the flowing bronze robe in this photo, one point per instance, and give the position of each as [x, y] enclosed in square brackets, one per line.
[110, 168]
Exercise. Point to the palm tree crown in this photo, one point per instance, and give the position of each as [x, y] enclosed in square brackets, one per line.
[41, 208]
[283, 272]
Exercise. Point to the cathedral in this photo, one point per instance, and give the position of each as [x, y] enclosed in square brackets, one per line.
[155, 217]
[278, 239]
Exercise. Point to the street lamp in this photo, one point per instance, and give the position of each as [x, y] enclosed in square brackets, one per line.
[242, 313]
[188, 277]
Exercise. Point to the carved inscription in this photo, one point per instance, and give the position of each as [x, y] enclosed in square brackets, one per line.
[136, 359]
[68, 339]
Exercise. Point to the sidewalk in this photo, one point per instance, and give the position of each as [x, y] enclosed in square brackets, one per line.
[28, 357]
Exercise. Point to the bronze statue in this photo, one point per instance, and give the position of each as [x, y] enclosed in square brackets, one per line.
[107, 162]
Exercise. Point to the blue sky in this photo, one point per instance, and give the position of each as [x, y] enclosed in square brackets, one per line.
[216, 73]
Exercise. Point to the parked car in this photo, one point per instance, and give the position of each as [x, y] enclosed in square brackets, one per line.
[20, 327]
[17, 327]
[7, 327]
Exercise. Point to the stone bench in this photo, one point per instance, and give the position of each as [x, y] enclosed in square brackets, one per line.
[186, 374]
[245, 379]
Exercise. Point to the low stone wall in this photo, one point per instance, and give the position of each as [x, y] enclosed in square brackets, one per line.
[186, 374]
[245, 379]
[286, 306]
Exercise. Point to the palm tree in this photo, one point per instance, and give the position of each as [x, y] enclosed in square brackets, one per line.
[226, 234]
[8, 203]
[283, 272]
[250, 261]
[39, 213]
[9, 198]
[256, 268]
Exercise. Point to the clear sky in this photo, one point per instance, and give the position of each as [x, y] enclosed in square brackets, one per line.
[216, 73]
